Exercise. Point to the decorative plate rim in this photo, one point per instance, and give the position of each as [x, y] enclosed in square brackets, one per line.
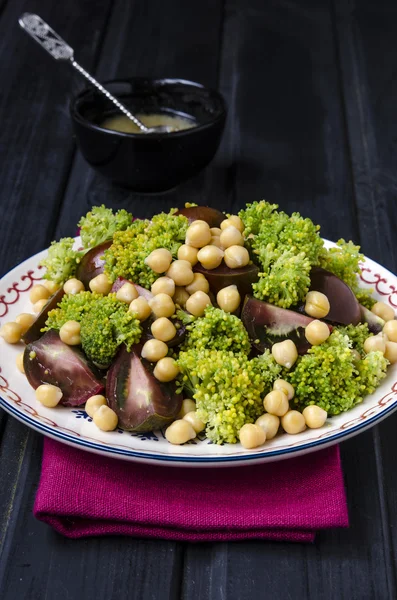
[362, 422]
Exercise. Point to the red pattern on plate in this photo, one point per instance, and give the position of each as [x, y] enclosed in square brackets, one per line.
[379, 281]
[15, 291]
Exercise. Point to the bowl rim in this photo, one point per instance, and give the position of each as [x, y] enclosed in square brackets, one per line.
[76, 116]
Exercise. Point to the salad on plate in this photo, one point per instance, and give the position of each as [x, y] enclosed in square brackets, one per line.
[233, 327]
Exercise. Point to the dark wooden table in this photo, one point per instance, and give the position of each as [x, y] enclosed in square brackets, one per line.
[312, 94]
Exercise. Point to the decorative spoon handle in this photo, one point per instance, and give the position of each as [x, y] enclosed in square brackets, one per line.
[48, 39]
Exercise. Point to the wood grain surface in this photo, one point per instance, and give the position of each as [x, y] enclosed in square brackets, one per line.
[311, 88]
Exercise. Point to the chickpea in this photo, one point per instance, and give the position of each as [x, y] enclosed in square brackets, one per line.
[179, 432]
[181, 272]
[285, 353]
[163, 285]
[188, 253]
[375, 343]
[391, 352]
[180, 297]
[105, 418]
[317, 305]
[70, 333]
[159, 260]
[231, 236]
[276, 403]
[127, 293]
[93, 403]
[356, 356]
[199, 284]
[215, 231]
[195, 422]
[39, 292]
[197, 303]
[252, 436]
[317, 332]
[11, 332]
[390, 329]
[73, 286]
[154, 350]
[216, 241]
[198, 234]
[293, 422]
[166, 369]
[236, 256]
[48, 395]
[162, 305]
[314, 416]
[163, 329]
[234, 221]
[39, 305]
[140, 307]
[19, 362]
[100, 284]
[25, 320]
[383, 310]
[228, 298]
[284, 386]
[188, 406]
[270, 424]
[51, 286]
[210, 257]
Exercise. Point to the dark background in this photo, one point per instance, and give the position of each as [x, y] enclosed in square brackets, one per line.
[312, 94]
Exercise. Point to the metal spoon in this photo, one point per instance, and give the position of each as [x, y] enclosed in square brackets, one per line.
[60, 50]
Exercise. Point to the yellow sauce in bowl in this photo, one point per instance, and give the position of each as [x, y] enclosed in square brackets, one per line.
[124, 125]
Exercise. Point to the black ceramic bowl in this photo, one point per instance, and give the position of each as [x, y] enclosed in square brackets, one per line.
[150, 162]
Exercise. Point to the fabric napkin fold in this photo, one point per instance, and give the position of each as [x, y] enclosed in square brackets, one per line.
[81, 494]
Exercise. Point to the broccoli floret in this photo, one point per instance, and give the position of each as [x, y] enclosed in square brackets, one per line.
[126, 256]
[217, 330]
[343, 260]
[105, 324]
[71, 308]
[330, 375]
[227, 388]
[255, 214]
[301, 235]
[101, 223]
[105, 327]
[61, 260]
[285, 248]
[268, 368]
[286, 282]
[357, 334]
[371, 371]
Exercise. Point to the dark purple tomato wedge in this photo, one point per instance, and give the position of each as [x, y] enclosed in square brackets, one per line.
[120, 281]
[223, 276]
[34, 332]
[345, 308]
[267, 324]
[92, 263]
[49, 360]
[375, 323]
[212, 216]
[141, 402]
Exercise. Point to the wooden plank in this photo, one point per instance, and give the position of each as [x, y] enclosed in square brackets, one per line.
[140, 39]
[366, 40]
[289, 145]
[36, 143]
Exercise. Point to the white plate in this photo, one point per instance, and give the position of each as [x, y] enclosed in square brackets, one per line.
[73, 426]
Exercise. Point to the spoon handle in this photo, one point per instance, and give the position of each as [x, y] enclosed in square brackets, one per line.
[48, 39]
[108, 95]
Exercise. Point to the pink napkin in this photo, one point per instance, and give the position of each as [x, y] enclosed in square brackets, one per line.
[84, 495]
